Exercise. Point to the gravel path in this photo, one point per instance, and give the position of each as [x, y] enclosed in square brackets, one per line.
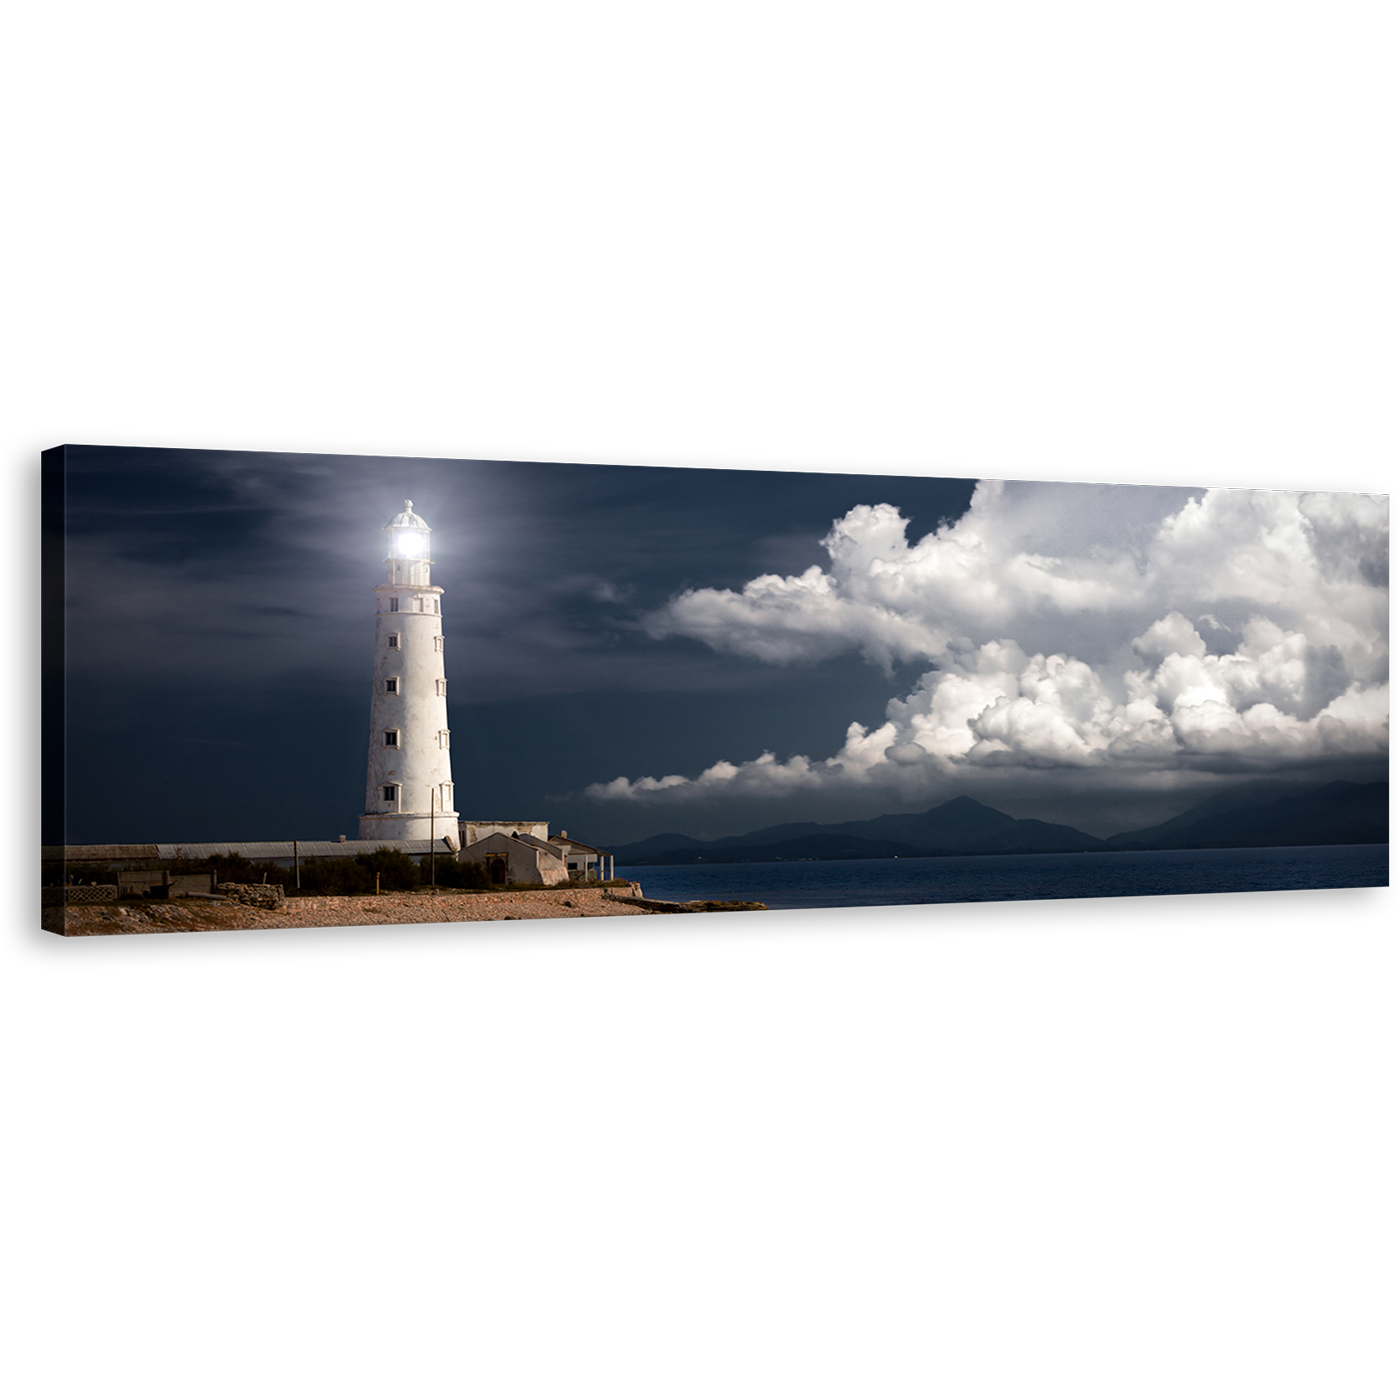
[321, 911]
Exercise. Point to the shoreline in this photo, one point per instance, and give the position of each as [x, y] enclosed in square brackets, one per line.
[421, 906]
[343, 910]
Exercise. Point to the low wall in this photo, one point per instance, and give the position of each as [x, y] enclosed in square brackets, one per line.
[692, 906]
[78, 894]
[260, 896]
[202, 882]
[657, 906]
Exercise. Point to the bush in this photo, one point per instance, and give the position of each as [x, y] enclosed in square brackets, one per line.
[230, 868]
[331, 875]
[396, 871]
[461, 875]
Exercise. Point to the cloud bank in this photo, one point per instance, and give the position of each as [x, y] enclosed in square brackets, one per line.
[1079, 628]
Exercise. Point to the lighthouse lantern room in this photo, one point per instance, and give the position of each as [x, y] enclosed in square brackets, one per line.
[409, 795]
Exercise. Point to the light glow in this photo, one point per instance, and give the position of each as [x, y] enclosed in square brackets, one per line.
[410, 544]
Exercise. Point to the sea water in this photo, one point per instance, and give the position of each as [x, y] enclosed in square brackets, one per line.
[817, 884]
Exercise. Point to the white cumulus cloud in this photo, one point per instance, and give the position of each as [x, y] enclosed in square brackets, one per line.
[1057, 623]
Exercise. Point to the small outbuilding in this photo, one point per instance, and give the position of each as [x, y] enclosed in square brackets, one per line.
[585, 862]
[518, 858]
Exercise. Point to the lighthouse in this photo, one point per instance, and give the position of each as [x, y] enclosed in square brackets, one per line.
[409, 792]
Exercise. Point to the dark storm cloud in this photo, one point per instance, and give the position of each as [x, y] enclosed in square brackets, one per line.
[220, 621]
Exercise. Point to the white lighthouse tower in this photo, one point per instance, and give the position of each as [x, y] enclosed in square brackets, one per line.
[409, 793]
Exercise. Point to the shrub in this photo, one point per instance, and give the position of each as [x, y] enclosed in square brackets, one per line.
[396, 870]
[331, 875]
[461, 875]
[230, 868]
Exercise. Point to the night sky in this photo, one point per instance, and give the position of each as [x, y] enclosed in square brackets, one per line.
[626, 645]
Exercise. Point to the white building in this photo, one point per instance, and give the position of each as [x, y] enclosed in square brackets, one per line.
[517, 857]
[409, 796]
[584, 862]
[525, 853]
[409, 793]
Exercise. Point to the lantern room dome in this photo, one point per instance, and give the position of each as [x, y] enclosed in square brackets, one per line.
[407, 520]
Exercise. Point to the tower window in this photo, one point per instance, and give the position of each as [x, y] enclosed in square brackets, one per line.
[393, 605]
[435, 606]
[391, 685]
[391, 738]
[393, 640]
[441, 687]
[437, 643]
[443, 736]
[391, 792]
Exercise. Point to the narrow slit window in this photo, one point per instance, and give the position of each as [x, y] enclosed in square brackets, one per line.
[437, 643]
[391, 685]
[390, 793]
[442, 687]
[393, 605]
[444, 735]
[391, 738]
[393, 641]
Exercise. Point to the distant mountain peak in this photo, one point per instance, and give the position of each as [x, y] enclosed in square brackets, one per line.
[1273, 814]
[1261, 813]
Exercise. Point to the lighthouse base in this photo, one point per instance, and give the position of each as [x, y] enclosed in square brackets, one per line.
[411, 826]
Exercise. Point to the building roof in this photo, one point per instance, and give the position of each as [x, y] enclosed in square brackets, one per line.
[503, 821]
[535, 841]
[101, 853]
[406, 517]
[579, 845]
[520, 838]
[253, 850]
[284, 850]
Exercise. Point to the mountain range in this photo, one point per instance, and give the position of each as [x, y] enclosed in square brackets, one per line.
[1253, 814]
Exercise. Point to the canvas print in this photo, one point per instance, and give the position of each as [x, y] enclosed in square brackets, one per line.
[291, 690]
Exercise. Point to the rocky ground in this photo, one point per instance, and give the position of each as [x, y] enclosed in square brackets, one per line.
[337, 911]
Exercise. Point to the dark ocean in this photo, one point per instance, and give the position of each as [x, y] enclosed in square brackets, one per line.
[819, 884]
